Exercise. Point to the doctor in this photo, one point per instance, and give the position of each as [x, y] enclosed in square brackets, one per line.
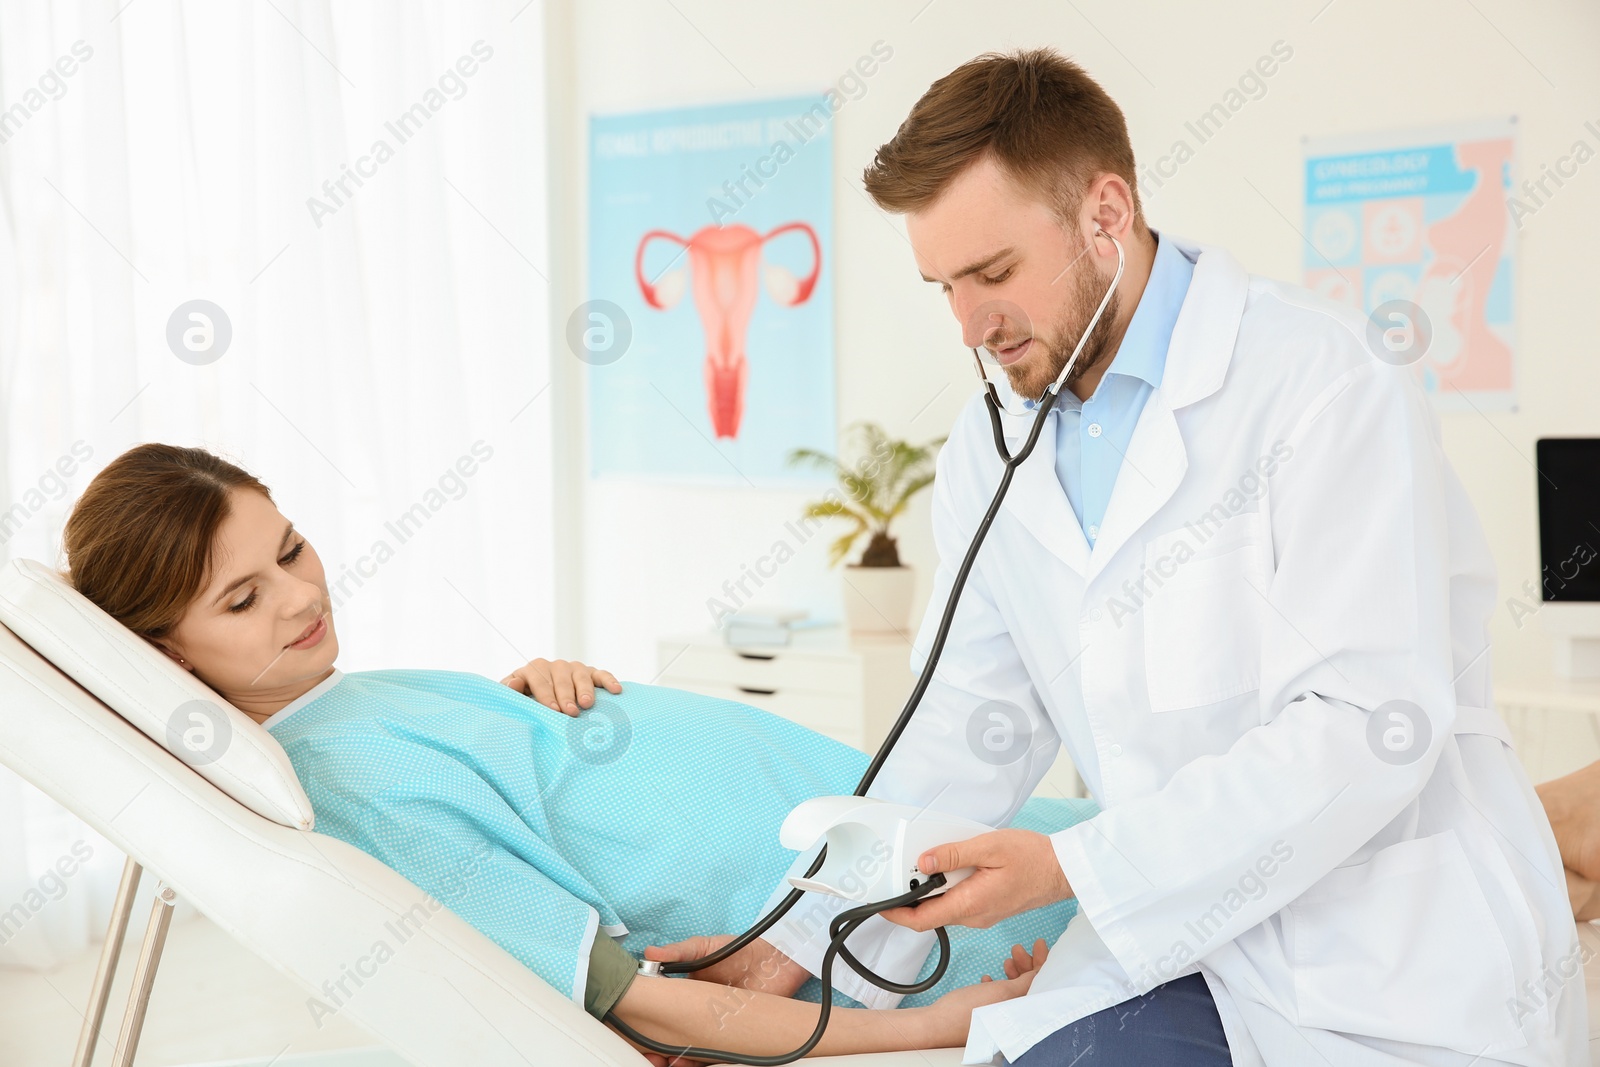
[1248, 593]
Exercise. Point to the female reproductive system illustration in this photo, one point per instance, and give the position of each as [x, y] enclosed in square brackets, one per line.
[723, 261]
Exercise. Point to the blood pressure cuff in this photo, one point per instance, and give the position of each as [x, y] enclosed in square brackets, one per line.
[611, 972]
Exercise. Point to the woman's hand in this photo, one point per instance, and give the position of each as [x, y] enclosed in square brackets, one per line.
[562, 685]
[953, 1011]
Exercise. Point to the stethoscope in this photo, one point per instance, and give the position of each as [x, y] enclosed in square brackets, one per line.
[847, 922]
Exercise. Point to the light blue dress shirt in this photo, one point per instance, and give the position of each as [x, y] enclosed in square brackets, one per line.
[1092, 435]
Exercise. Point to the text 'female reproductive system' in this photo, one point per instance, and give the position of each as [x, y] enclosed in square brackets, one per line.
[723, 261]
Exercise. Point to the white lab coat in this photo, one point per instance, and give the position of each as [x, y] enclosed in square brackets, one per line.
[1307, 555]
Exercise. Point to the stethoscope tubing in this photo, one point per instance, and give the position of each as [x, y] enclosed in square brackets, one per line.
[843, 925]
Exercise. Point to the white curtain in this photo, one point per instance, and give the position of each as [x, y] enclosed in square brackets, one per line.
[360, 188]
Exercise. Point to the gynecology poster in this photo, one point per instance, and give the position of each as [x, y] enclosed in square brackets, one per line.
[1415, 228]
[708, 326]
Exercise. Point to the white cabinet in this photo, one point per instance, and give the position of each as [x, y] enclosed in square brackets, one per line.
[849, 687]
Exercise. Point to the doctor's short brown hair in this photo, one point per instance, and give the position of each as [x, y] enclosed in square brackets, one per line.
[1047, 123]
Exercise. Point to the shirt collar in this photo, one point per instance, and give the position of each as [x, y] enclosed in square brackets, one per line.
[1143, 351]
[304, 698]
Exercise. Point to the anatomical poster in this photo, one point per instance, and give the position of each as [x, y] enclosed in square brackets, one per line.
[708, 321]
[1417, 228]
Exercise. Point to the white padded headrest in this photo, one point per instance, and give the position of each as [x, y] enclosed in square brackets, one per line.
[167, 703]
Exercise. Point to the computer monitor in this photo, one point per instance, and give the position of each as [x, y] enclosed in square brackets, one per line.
[1569, 551]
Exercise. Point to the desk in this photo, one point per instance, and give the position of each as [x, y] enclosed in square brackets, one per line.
[849, 686]
[1555, 722]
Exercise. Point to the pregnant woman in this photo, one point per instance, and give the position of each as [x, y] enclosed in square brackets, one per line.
[575, 841]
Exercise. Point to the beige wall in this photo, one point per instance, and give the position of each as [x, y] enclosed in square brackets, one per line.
[650, 557]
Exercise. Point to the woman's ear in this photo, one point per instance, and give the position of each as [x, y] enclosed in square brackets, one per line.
[174, 656]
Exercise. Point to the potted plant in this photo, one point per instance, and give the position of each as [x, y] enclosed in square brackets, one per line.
[873, 491]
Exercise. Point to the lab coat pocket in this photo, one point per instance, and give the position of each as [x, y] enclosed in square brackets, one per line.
[1404, 947]
[1202, 623]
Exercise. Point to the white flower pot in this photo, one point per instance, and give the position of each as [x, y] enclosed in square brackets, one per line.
[878, 599]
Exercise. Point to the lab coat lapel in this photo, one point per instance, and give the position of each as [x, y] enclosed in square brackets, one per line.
[1156, 461]
[1197, 359]
[1151, 471]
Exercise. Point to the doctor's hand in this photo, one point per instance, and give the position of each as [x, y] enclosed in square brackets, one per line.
[1017, 871]
[562, 685]
[758, 966]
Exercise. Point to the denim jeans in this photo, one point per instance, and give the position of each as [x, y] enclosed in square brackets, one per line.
[1173, 1025]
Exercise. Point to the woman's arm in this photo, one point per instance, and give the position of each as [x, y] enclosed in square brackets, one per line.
[1572, 804]
[675, 1011]
[1582, 893]
[757, 966]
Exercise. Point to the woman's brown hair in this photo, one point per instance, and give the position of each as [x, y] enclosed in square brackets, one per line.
[1047, 123]
[139, 540]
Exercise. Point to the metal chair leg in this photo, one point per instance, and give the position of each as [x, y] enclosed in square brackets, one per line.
[107, 970]
[144, 975]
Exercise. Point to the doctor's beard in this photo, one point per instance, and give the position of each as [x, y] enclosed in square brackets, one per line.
[1032, 375]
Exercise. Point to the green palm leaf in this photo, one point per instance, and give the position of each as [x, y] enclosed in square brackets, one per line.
[875, 489]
